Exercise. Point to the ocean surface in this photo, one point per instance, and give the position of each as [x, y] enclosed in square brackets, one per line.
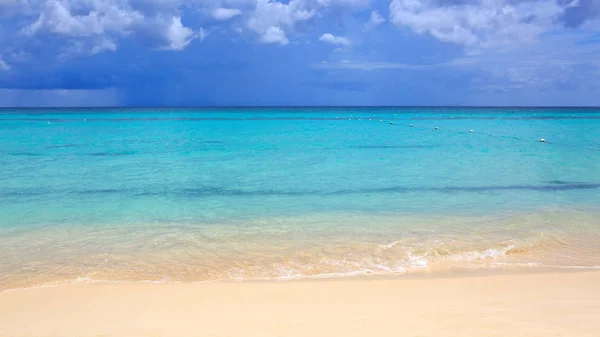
[200, 194]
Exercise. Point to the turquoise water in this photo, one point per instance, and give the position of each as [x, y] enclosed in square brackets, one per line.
[202, 194]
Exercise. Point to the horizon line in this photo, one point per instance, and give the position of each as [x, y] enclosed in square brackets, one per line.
[302, 106]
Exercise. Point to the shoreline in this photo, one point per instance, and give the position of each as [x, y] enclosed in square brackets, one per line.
[416, 274]
[59, 254]
[500, 304]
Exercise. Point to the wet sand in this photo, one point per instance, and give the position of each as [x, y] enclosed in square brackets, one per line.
[525, 305]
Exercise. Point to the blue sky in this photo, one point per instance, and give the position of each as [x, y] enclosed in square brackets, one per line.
[299, 52]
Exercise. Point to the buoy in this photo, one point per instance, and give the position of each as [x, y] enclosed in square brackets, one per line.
[437, 128]
[410, 125]
[471, 131]
[542, 140]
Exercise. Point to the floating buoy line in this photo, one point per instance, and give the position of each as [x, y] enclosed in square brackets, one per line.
[472, 131]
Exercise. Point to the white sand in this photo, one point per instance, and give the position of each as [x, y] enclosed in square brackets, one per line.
[544, 305]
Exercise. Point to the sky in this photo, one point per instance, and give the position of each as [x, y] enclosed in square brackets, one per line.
[299, 52]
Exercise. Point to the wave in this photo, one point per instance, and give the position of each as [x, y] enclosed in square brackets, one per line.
[394, 258]
[219, 191]
[288, 249]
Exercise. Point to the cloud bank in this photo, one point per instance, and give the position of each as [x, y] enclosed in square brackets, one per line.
[494, 46]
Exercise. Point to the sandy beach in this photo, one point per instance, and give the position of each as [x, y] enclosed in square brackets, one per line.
[540, 304]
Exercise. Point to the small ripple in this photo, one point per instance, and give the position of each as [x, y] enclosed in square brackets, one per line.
[219, 191]
[111, 154]
[61, 146]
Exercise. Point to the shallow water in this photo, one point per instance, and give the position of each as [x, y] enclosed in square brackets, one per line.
[206, 194]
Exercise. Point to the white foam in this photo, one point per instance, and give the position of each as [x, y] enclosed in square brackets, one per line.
[389, 245]
[417, 262]
[568, 267]
[85, 280]
[490, 253]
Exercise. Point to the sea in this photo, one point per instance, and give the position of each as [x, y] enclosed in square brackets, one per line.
[236, 194]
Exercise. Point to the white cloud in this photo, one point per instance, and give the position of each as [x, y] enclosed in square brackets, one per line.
[554, 61]
[357, 4]
[56, 17]
[352, 65]
[178, 36]
[274, 35]
[93, 26]
[508, 43]
[4, 65]
[271, 19]
[494, 33]
[280, 18]
[374, 20]
[102, 45]
[225, 14]
[482, 24]
[336, 40]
